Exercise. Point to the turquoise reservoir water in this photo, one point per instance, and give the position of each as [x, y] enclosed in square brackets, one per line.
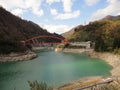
[50, 67]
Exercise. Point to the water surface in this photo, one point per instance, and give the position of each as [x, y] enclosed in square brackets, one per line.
[50, 67]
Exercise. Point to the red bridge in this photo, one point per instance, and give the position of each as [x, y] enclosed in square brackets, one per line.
[44, 41]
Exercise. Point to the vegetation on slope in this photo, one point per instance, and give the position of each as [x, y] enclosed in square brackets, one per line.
[105, 34]
[13, 30]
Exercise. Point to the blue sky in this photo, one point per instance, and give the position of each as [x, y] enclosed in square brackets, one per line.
[61, 15]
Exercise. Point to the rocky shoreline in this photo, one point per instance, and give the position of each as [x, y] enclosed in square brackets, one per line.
[83, 50]
[28, 55]
[110, 58]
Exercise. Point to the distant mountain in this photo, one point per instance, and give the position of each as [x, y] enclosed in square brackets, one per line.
[13, 29]
[70, 32]
[109, 17]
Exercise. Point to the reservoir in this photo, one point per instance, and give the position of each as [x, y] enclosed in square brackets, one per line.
[54, 68]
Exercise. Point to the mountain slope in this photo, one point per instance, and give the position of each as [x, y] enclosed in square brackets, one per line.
[23, 28]
[70, 32]
[109, 17]
[105, 33]
[13, 29]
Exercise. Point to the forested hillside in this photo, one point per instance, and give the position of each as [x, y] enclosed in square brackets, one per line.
[105, 33]
[13, 29]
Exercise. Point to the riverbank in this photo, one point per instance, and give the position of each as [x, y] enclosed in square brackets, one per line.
[28, 55]
[110, 58]
[87, 51]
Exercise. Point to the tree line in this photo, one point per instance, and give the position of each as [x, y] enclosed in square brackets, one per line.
[105, 34]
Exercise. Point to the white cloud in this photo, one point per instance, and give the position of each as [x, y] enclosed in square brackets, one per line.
[67, 5]
[38, 12]
[56, 28]
[17, 11]
[91, 2]
[53, 11]
[112, 1]
[12, 5]
[52, 1]
[9, 4]
[35, 6]
[118, 13]
[62, 16]
[18, 7]
[112, 9]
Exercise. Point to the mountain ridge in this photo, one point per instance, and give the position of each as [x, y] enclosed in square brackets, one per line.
[108, 17]
[105, 33]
